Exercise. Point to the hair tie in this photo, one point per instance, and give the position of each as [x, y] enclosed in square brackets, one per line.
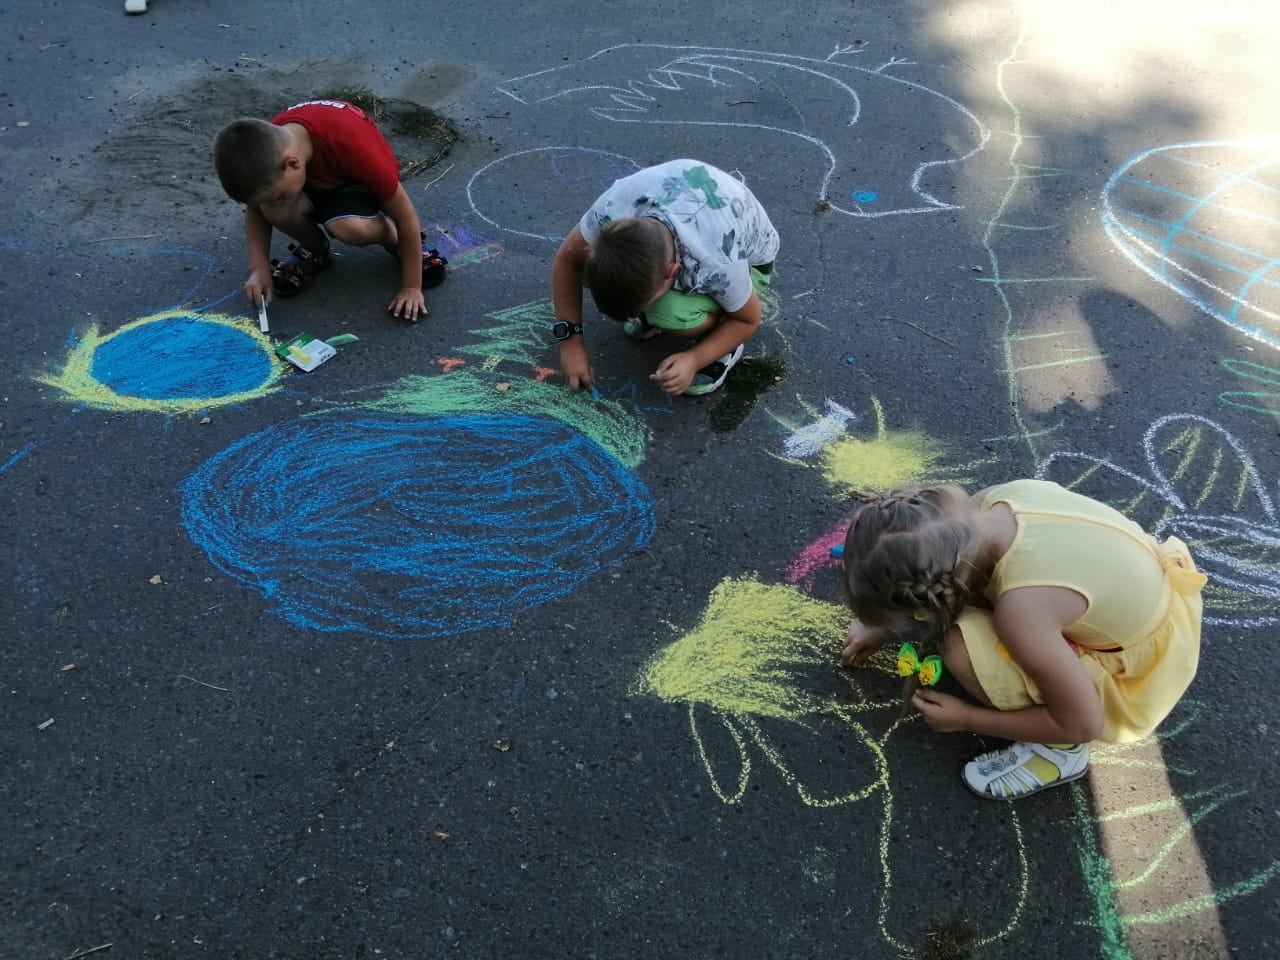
[929, 669]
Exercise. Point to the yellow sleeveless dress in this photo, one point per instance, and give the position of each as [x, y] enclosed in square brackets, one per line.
[1139, 638]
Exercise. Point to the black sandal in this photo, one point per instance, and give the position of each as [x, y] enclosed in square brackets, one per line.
[290, 275]
[433, 268]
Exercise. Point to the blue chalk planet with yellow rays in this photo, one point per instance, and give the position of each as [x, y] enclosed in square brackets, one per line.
[178, 361]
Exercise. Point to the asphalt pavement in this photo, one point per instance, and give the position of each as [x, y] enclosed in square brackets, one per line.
[420, 655]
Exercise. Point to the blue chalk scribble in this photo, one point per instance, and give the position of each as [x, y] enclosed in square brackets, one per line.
[412, 526]
[864, 196]
[181, 357]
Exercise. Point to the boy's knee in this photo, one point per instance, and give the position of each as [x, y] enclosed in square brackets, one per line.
[356, 231]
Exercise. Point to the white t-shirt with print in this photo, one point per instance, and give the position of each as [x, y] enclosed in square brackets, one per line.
[720, 227]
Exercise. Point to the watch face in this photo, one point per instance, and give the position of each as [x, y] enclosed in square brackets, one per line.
[560, 330]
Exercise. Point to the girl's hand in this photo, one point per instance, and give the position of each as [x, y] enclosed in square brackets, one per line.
[860, 643]
[941, 711]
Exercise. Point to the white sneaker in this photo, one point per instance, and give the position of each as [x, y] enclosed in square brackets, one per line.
[709, 379]
[638, 328]
[1024, 769]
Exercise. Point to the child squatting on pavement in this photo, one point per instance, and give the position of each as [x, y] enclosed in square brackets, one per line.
[680, 248]
[322, 169]
[1059, 616]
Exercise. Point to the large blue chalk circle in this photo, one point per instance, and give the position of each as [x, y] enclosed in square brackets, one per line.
[412, 526]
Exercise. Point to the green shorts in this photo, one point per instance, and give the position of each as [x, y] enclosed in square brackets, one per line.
[685, 311]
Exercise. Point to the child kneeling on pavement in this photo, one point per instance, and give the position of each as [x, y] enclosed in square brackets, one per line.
[679, 248]
[321, 169]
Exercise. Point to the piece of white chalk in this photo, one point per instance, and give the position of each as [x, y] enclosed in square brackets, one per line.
[262, 315]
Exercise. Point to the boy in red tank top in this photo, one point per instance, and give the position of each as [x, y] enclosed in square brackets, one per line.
[321, 169]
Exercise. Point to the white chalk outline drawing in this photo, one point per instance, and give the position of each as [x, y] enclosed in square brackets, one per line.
[523, 153]
[1122, 226]
[1203, 487]
[687, 64]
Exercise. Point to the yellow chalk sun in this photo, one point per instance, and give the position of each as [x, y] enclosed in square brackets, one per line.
[892, 458]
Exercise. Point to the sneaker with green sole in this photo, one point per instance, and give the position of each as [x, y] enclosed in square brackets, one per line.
[711, 378]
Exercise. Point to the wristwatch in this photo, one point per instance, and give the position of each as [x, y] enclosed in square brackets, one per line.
[563, 331]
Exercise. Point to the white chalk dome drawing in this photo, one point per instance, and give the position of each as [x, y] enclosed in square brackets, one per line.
[500, 194]
[1204, 220]
[864, 151]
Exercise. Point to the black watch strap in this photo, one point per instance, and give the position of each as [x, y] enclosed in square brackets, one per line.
[562, 330]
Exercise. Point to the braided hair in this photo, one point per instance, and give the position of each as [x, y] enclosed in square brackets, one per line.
[909, 555]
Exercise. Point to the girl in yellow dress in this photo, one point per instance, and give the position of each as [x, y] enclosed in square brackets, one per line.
[1062, 618]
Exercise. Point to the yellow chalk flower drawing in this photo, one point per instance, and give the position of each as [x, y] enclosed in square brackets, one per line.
[761, 667]
[889, 458]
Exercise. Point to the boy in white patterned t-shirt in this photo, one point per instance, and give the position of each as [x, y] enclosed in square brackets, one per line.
[678, 248]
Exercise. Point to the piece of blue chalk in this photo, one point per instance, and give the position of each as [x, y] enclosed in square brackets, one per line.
[595, 392]
[837, 551]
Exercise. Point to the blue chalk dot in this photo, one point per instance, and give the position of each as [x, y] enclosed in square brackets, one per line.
[865, 196]
[181, 358]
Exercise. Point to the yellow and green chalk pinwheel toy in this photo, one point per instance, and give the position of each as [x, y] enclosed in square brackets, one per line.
[909, 662]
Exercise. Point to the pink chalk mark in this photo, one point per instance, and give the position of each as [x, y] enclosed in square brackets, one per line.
[805, 566]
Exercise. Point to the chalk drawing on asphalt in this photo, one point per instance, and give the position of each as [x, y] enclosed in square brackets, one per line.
[608, 422]
[1143, 872]
[848, 462]
[179, 361]
[746, 676]
[1263, 398]
[758, 677]
[577, 176]
[847, 118]
[434, 505]
[1204, 220]
[1194, 476]
[412, 525]
[1201, 485]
